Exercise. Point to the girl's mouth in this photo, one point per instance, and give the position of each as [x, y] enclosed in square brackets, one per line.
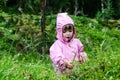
[68, 38]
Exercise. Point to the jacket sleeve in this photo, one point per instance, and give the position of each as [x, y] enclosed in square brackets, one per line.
[80, 50]
[56, 55]
[80, 46]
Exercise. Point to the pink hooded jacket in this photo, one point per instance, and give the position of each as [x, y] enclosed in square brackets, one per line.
[60, 51]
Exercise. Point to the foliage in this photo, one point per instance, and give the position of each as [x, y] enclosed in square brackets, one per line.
[26, 67]
[116, 9]
[101, 68]
[24, 32]
[106, 13]
[83, 7]
[101, 43]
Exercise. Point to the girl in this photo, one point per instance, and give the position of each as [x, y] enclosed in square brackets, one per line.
[66, 48]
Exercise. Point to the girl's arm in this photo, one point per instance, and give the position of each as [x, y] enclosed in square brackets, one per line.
[82, 56]
[56, 55]
[80, 50]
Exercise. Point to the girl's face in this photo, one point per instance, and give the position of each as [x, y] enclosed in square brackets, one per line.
[67, 32]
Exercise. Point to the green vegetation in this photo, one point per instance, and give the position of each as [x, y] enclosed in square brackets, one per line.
[107, 8]
[22, 56]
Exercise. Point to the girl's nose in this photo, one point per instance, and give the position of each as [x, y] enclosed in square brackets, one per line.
[67, 32]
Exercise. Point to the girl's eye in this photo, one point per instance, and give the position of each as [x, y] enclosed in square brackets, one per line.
[64, 31]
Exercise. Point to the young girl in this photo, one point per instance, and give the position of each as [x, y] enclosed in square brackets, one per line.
[66, 48]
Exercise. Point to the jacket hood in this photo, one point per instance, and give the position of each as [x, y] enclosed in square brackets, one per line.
[63, 19]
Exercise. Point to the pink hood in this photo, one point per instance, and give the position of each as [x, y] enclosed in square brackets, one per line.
[63, 19]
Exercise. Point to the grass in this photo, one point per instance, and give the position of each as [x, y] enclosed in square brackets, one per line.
[26, 67]
[101, 43]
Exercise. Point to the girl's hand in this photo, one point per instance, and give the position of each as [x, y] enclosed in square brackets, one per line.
[69, 65]
[84, 58]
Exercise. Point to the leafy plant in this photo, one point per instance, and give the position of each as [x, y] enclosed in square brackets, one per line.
[23, 35]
